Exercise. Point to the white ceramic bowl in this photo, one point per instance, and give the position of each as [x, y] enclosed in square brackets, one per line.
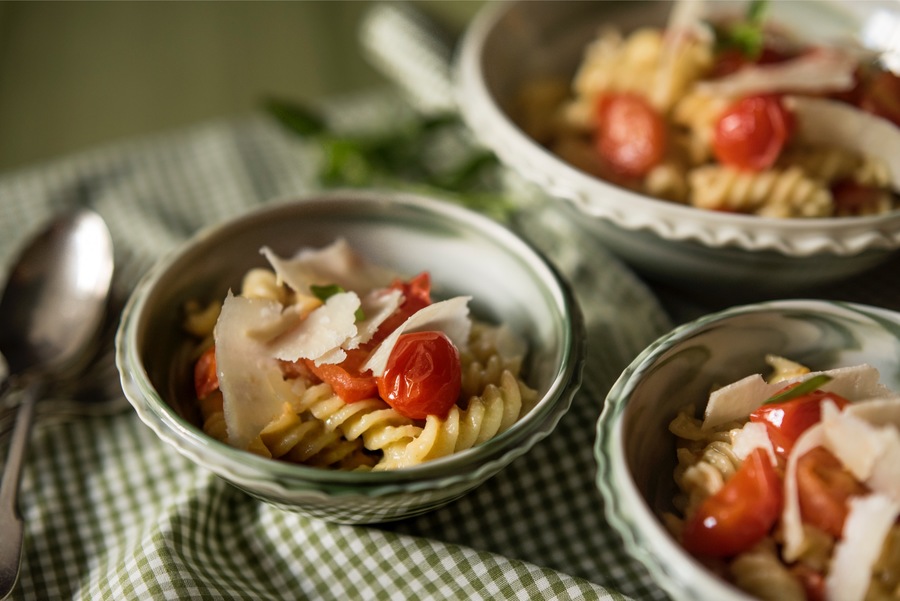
[636, 453]
[741, 256]
[465, 253]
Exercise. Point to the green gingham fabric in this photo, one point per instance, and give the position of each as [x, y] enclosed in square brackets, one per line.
[113, 513]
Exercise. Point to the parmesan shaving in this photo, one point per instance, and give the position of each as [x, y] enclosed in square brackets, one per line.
[335, 264]
[320, 336]
[249, 377]
[739, 399]
[791, 521]
[829, 122]
[868, 522]
[450, 316]
[752, 436]
[822, 70]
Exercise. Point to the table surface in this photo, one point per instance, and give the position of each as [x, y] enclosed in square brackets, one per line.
[114, 513]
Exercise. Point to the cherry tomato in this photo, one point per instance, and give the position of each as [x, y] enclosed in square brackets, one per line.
[206, 380]
[882, 96]
[416, 295]
[740, 514]
[823, 487]
[632, 134]
[345, 378]
[786, 421]
[751, 132]
[423, 375]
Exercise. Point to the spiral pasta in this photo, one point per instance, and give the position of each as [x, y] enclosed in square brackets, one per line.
[761, 573]
[485, 416]
[770, 193]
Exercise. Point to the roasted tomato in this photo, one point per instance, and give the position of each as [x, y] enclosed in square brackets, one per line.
[345, 378]
[823, 487]
[740, 514]
[423, 375]
[785, 422]
[750, 133]
[632, 134]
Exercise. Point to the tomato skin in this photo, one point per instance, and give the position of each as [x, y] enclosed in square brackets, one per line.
[206, 380]
[345, 378]
[740, 514]
[423, 375]
[786, 421]
[824, 487]
[416, 296]
[751, 133]
[632, 134]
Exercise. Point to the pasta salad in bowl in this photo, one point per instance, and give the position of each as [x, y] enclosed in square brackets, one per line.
[777, 426]
[704, 139]
[353, 356]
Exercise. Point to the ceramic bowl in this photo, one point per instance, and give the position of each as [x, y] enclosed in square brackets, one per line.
[465, 253]
[635, 451]
[743, 257]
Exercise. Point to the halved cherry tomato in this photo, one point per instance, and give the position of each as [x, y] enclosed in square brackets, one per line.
[632, 134]
[206, 380]
[882, 96]
[416, 295]
[732, 59]
[751, 132]
[423, 375]
[740, 514]
[823, 487]
[345, 378]
[785, 422]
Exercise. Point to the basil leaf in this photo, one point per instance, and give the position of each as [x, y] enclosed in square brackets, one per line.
[799, 390]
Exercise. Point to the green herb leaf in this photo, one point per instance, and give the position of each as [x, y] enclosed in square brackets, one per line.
[323, 293]
[799, 390]
[746, 36]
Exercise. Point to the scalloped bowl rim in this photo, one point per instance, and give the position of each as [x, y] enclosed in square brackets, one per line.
[842, 236]
[267, 475]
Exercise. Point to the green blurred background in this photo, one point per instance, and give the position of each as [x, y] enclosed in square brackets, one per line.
[77, 74]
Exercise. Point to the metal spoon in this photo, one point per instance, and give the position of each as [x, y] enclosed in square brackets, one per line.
[51, 313]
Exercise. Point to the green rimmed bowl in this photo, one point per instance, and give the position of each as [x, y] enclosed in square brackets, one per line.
[634, 450]
[466, 253]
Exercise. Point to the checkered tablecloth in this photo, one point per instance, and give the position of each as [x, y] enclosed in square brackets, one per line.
[113, 513]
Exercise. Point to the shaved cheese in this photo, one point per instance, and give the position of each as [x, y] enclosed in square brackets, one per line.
[377, 306]
[336, 264]
[822, 70]
[319, 337]
[752, 436]
[249, 376]
[791, 521]
[829, 122]
[869, 449]
[868, 522]
[738, 400]
[450, 317]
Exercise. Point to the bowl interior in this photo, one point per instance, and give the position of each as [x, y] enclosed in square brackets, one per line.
[466, 254]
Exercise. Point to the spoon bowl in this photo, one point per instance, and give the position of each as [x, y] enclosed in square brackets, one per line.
[51, 313]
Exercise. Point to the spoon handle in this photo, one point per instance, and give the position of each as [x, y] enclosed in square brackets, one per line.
[11, 524]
